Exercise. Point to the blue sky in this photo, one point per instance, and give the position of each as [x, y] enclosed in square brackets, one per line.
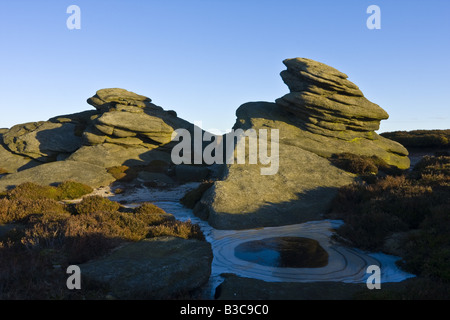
[204, 58]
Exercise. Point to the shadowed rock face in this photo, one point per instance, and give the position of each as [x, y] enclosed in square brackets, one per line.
[157, 268]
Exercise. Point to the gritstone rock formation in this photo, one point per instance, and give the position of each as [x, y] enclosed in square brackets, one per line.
[336, 111]
[125, 129]
[324, 114]
[118, 99]
[127, 119]
[42, 140]
[327, 101]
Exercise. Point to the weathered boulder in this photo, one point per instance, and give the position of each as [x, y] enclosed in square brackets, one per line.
[127, 119]
[43, 140]
[301, 190]
[336, 113]
[294, 132]
[309, 75]
[105, 99]
[127, 125]
[324, 114]
[157, 268]
[57, 172]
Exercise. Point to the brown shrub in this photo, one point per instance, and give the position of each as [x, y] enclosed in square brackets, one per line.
[368, 230]
[433, 165]
[67, 190]
[124, 173]
[388, 183]
[185, 230]
[19, 210]
[420, 138]
[33, 191]
[45, 231]
[82, 237]
[150, 214]
[148, 208]
[93, 235]
[354, 163]
[418, 201]
[374, 211]
[30, 275]
[70, 190]
[94, 204]
[24, 274]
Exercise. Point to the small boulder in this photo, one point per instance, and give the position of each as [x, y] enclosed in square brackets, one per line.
[157, 268]
[105, 99]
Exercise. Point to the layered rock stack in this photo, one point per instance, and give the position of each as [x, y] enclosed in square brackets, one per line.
[329, 105]
[126, 118]
[125, 129]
